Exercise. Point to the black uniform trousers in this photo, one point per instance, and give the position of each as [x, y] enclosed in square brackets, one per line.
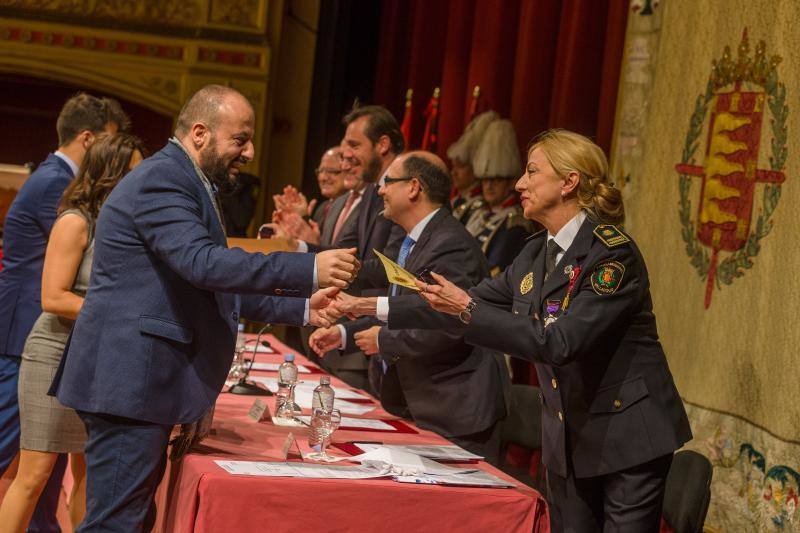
[626, 501]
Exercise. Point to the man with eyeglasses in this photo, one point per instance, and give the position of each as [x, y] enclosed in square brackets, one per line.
[423, 374]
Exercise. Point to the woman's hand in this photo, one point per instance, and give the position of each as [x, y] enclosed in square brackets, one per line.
[444, 296]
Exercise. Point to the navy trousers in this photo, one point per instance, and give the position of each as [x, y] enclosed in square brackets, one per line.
[628, 501]
[44, 517]
[125, 461]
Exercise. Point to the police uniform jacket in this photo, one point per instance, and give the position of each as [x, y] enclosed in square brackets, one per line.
[608, 398]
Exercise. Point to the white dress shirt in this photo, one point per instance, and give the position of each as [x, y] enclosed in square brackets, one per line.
[567, 234]
[382, 308]
[64, 157]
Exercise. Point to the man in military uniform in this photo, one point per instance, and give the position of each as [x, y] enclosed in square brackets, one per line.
[467, 196]
[497, 221]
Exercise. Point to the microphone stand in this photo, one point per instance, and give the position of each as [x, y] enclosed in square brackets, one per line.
[244, 387]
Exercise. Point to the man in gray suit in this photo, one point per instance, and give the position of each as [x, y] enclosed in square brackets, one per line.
[430, 376]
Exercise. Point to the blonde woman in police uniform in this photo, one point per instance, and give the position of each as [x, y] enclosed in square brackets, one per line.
[576, 302]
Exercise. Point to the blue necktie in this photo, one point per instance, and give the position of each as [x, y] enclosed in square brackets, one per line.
[405, 248]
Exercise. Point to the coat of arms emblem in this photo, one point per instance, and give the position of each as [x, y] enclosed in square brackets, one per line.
[742, 168]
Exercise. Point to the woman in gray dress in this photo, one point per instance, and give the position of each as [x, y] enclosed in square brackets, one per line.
[47, 427]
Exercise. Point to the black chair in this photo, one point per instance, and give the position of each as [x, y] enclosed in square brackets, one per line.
[688, 492]
[523, 427]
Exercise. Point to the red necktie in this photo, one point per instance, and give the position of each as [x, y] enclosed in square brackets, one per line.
[348, 205]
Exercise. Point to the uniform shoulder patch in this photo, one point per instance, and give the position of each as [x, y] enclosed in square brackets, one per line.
[607, 277]
[610, 235]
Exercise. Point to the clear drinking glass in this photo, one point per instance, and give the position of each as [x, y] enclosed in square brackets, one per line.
[283, 405]
[323, 424]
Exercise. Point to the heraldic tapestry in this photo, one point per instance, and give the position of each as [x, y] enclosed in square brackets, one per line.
[707, 115]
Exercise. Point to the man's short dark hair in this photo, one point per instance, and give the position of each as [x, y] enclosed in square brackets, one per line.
[435, 181]
[203, 106]
[86, 112]
[381, 122]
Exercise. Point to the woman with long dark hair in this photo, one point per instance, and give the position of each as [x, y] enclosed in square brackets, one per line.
[47, 427]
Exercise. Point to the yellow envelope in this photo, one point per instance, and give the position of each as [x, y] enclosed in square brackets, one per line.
[395, 273]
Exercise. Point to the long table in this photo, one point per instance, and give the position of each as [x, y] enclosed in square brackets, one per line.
[199, 496]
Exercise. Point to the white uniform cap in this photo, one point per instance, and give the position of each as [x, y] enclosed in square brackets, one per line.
[464, 148]
[497, 156]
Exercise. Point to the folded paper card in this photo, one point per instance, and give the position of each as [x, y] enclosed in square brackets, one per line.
[395, 273]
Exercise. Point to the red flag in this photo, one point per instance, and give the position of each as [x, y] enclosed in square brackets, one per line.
[405, 127]
[476, 106]
[431, 137]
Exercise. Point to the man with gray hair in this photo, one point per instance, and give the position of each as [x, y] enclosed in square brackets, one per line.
[153, 343]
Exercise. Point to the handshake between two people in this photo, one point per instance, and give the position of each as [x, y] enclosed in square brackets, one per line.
[336, 270]
[442, 295]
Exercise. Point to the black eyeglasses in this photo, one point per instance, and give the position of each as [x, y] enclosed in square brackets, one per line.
[388, 181]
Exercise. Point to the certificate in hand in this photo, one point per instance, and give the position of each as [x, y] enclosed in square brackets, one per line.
[395, 273]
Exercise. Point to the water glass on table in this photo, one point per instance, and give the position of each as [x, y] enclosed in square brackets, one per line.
[323, 425]
[283, 401]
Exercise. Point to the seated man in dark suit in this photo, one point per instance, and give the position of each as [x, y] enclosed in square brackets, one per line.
[152, 345]
[432, 377]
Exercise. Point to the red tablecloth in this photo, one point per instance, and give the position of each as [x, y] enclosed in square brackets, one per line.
[200, 496]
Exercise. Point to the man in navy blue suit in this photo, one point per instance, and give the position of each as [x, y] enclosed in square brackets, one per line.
[153, 343]
[27, 228]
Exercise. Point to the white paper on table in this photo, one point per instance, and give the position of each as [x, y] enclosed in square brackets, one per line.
[357, 423]
[304, 394]
[350, 408]
[273, 367]
[437, 452]
[404, 463]
[259, 349]
[317, 471]
[291, 422]
[478, 478]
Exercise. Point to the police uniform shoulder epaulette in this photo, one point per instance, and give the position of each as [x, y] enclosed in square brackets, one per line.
[610, 235]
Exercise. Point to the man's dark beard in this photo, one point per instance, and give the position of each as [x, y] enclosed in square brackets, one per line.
[372, 171]
[216, 170]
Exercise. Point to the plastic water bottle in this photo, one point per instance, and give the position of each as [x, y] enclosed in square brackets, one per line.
[287, 372]
[241, 340]
[323, 395]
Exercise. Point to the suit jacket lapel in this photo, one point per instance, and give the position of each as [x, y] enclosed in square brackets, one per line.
[366, 218]
[538, 277]
[333, 216]
[216, 231]
[573, 256]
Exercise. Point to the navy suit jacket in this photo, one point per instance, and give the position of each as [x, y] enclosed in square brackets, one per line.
[447, 386]
[155, 337]
[25, 233]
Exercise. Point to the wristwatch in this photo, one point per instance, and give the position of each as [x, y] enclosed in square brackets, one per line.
[466, 315]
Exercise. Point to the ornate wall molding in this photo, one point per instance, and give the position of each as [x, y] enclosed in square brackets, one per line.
[239, 15]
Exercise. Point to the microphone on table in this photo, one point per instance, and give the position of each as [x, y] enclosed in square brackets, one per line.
[245, 387]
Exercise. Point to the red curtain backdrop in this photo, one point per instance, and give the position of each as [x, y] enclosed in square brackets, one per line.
[541, 63]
